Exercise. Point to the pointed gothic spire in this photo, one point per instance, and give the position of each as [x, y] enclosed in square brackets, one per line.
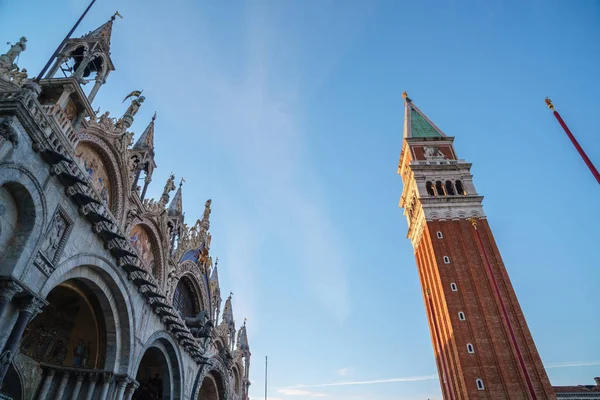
[103, 32]
[228, 312]
[242, 339]
[176, 206]
[146, 140]
[214, 276]
[416, 123]
[205, 223]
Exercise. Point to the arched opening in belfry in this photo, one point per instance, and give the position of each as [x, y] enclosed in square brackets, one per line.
[439, 187]
[449, 188]
[153, 376]
[210, 389]
[459, 188]
[430, 189]
[71, 330]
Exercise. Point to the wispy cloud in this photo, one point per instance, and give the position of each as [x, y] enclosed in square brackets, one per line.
[572, 364]
[345, 371]
[371, 382]
[299, 392]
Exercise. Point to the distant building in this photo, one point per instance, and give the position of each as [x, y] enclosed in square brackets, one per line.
[104, 293]
[580, 392]
[482, 345]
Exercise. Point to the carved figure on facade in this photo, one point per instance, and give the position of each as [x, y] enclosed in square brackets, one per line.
[56, 233]
[433, 152]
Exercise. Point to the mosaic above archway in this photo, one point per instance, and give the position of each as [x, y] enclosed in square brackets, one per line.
[140, 240]
[96, 170]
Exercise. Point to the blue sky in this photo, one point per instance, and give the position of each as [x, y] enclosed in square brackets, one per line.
[288, 115]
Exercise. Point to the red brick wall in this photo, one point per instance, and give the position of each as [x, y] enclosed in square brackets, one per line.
[495, 359]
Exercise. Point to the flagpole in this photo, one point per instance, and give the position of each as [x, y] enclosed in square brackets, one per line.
[60, 46]
[580, 150]
[265, 377]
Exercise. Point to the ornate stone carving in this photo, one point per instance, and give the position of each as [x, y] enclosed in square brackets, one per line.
[8, 133]
[55, 239]
[433, 152]
[7, 60]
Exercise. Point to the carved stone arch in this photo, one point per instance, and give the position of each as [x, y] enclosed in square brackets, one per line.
[461, 214]
[191, 286]
[161, 342]
[101, 55]
[475, 214]
[237, 379]
[448, 215]
[113, 163]
[101, 276]
[190, 268]
[31, 205]
[217, 369]
[68, 50]
[154, 236]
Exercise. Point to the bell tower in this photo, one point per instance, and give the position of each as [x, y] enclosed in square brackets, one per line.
[482, 345]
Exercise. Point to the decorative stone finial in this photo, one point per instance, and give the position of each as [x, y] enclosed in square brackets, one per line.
[181, 182]
[549, 103]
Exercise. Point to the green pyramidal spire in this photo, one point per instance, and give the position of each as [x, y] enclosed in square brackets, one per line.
[416, 124]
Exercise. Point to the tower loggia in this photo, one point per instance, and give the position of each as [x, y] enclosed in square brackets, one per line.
[482, 345]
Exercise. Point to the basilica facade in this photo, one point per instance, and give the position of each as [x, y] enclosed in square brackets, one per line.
[104, 292]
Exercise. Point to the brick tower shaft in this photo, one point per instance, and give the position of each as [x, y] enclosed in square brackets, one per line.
[482, 345]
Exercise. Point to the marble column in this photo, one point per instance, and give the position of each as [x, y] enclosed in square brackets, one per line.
[131, 390]
[77, 389]
[122, 383]
[92, 378]
[63, 384]
[47, 384]
[31, 308]
[100, 80]
[107, 379]
[8, 289]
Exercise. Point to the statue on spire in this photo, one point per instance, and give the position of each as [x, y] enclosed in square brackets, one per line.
[135, 106]
[7, 60]
[169, 187]
[206, 210]
[9, 71]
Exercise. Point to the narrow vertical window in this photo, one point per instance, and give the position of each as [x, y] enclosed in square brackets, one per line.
[461, 316]
[430, 189]
[439, 187]
[453, 287]
[479, 384]
[446, 260]
[449, 188]
[470, 348]
[439, 235]
[459, 188]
